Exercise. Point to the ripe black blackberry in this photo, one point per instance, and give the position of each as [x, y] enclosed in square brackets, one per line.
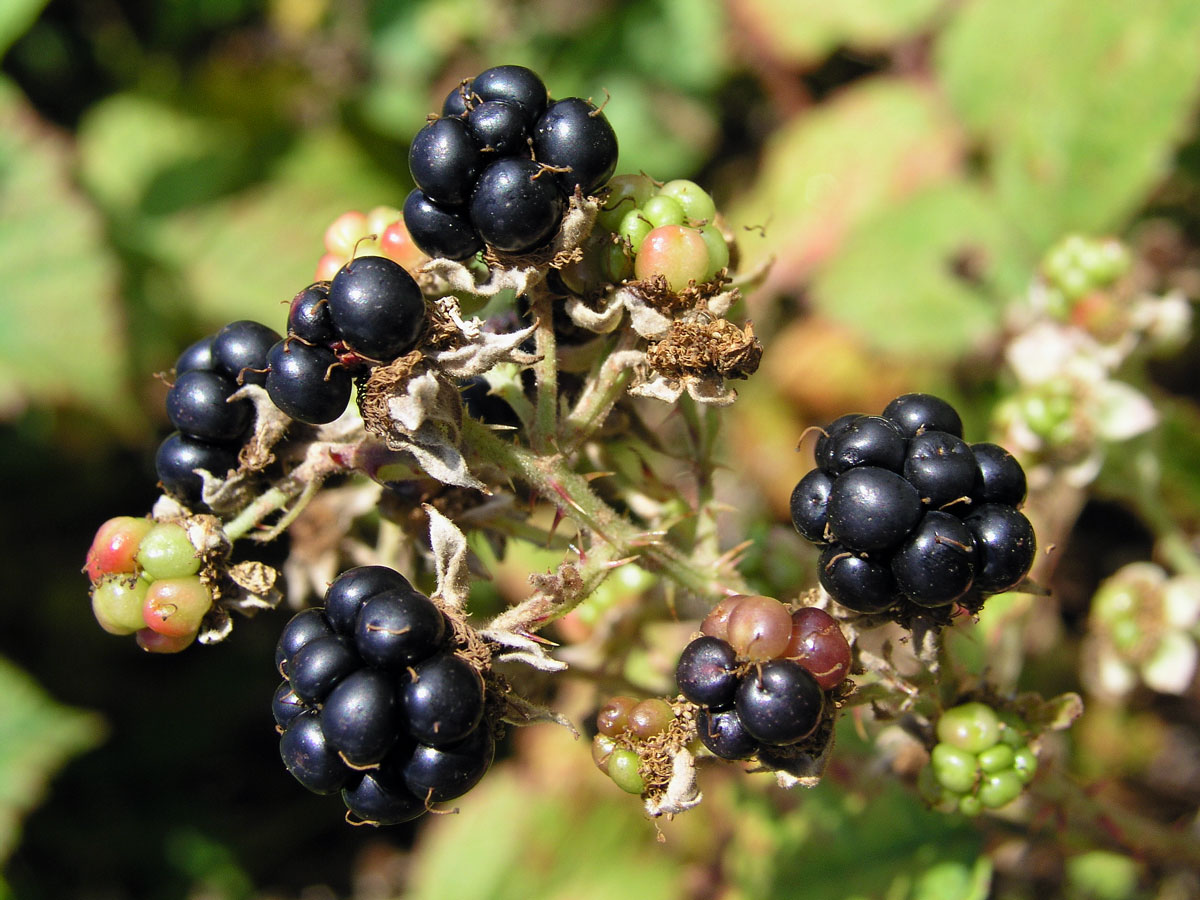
[500, 163]
[910, 516]
[377, 701]
[211, 429]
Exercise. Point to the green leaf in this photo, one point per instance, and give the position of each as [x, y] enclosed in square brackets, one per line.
[896, 282]
[1079, 104]
[586, 840]
[806, 31]
[37, 736]
[871, 840]
[245, 254]
[139, 155]
[15, 18]
[834, 166]
[62, 342]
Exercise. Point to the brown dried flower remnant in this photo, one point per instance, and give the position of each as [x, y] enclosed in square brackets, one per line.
[716, 348]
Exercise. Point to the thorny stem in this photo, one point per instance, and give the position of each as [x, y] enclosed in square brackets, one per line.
[555, 482]
[604, 388]
[545, 423]
[701, 427]
[1077, 804]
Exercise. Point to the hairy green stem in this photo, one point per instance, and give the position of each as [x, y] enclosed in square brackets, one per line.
[604, 388]
[557, 483]
[545, 422]
[1081, 807]
[273, 500]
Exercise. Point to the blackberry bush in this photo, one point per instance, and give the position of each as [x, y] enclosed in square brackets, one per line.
[470, 376]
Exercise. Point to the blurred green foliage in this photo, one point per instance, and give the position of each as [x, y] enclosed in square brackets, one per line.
[168, 167]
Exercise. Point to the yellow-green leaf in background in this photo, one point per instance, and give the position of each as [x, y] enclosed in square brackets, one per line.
[1079, 104]
[15, 17]
[62, 341]
[245, 255]
[806, 31]
[924, 277]
[834, 166]
[37, 735]
[518, 838]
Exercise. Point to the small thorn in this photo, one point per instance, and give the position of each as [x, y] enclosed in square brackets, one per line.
[617, 563]
[559, 515]
[593, 476]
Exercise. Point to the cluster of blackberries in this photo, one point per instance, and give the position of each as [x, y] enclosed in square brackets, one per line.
[499, 164]
[376, 703]
[760, 674]
[907, 510]
[211, 430]
[371, 312]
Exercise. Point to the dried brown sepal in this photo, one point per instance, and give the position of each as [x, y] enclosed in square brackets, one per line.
[712, 349]
[656, 293]
[270, 424]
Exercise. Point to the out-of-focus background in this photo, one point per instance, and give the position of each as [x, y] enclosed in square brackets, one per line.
[166, 167]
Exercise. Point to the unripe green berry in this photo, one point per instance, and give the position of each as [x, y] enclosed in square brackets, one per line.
[615, 263]
[1025, 764]
[718, 250]
[633, 229]
[660, 210]
[996, 759]
[999, 789]
[117, 604]
[380, 217]
[969, 805]
[625, 192]
[697, 205]
[972, 727]
[623, 770]
[166, 552]
[955, 769]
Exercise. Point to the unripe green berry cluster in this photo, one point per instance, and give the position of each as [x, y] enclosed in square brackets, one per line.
[647, 231]
[146, 582]
[981, 761]
[1078, 265]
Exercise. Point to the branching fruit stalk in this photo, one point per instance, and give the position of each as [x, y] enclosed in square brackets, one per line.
[555, 482]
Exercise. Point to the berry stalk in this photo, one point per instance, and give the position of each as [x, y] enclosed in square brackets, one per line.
[556, 483]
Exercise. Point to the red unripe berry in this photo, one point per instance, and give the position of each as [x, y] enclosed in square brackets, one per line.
[760, 628]
[613, 718]
[153, 642]
[676, 252]
[175, 606]
[344, 232]
[328, 265]
[716, 623]
[397, 245]
[650, 717]
[115, 547]
[817, 643]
